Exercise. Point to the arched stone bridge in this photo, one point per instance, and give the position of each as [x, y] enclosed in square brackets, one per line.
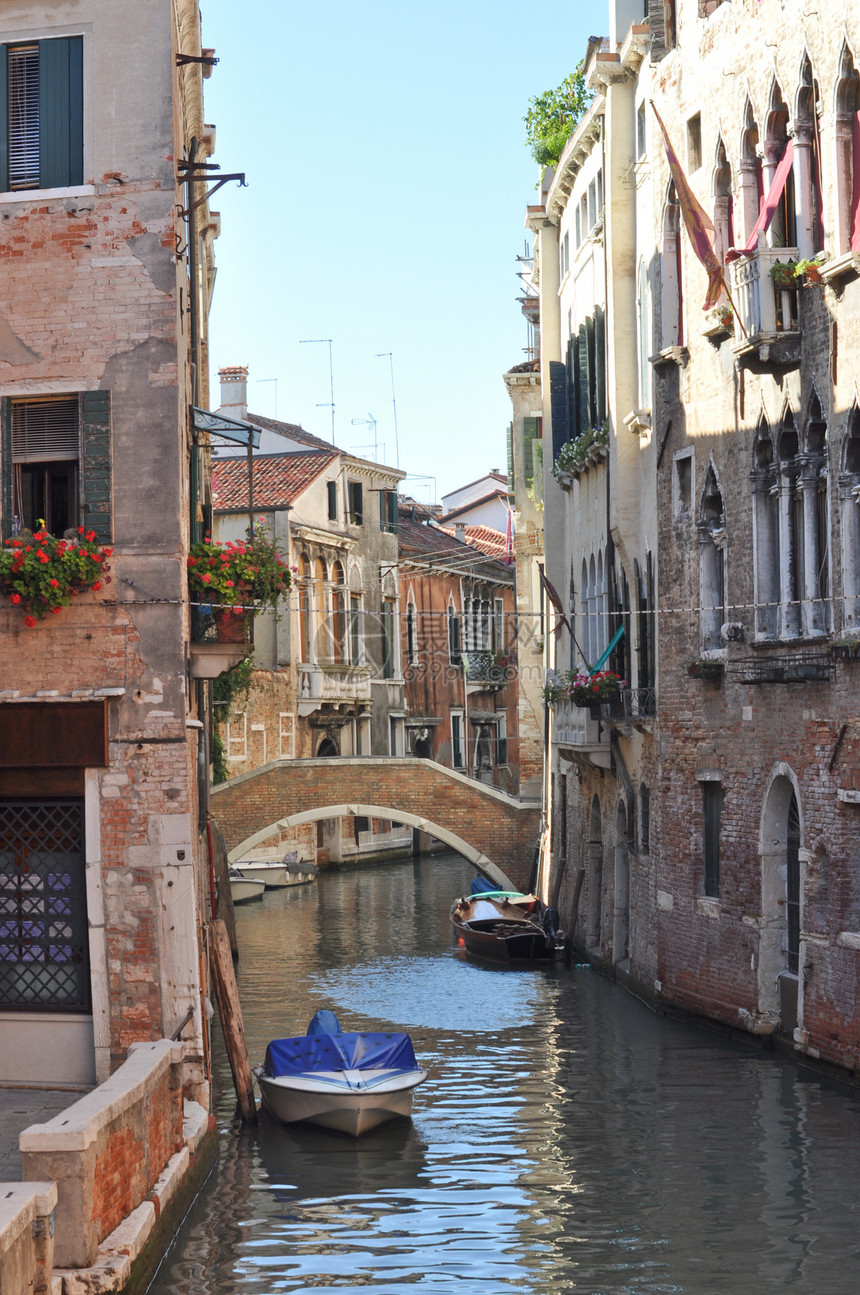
[495, 832]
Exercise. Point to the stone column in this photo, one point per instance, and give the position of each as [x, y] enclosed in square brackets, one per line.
[812, 620]
[802, 132]
[788, 614]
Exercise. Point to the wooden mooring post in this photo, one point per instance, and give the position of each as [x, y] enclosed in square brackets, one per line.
[230, 1015]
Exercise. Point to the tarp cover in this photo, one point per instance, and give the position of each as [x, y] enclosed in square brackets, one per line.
[312, 1052]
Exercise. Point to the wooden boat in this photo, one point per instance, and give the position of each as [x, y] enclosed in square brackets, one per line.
[277, 874]
[348, 1082]
[245, 889]
[506, 926]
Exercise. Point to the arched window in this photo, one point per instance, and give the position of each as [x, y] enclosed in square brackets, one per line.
[765, 535]
[816, 524]
[643, 320]
[454, 648]
[584, 624]
[751, 178]
[807, 165]
[724, 204]
[712, 562]
[848, 154]
[783, 226]
[593, 650]
[304, 583]
[411, 631]
[338, 613]
[849, 499]
[791, 532]
[322, 640]
[671, 278]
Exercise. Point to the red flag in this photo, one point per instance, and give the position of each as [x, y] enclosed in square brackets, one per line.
[696, 222]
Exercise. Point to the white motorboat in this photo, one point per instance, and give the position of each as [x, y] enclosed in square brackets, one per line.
[245, 889]
[348, 1082]
[276, 874]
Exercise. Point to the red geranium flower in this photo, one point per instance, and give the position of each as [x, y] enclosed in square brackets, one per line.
[29, 621]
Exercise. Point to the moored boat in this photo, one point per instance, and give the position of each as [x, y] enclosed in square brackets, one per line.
[351, 1082]
[245, 889]
[506, 926]
[278, 873]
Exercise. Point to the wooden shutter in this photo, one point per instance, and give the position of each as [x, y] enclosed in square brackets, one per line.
[530, 431]
[599, 365]
[96, 467]
[61, 112]
[582, 357]
[558, 405]
[509, 439]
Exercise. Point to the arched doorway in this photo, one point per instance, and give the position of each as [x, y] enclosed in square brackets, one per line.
[781, 909]
[326, 749]
[595, 878]
[621, 925]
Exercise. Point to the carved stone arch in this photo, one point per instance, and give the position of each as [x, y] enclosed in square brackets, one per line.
[806, 91]
[815, 431]
[711, 492]
[750, 181]
[354, 575]
[763, 449]
[781, 839]
[787, 440]
[711, 527]
[749, 137]
[846, 86]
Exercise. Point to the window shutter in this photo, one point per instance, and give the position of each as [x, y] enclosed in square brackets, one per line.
[582, 355]
[96, 465]
[592, 376]
[599, 365]
[509, 438]
[4, 120]
[558, 405]
[61, 112]
[530, 431]
[46, 431]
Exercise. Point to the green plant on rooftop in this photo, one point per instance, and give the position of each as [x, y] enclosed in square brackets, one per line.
[553, 116]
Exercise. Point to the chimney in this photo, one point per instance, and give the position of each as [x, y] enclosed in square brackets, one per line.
[460, 531]
[234, 392]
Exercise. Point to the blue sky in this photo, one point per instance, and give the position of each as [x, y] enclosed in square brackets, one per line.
[383, 145]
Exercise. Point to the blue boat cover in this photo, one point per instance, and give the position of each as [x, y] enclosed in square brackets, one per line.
[325, 1022]
[312, 1052]
[480, 884]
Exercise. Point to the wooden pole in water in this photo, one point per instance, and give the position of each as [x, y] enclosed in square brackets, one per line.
[230, 1015]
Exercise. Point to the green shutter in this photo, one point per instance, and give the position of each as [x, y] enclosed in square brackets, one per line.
[600, 364]
[4, 121]
[592, 376]
[96, 465]
[509, 439]
[530, 431]
[582, 362]
[6, 461]
[61, 112]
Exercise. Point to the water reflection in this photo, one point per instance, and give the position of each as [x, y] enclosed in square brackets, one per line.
[566, 1140]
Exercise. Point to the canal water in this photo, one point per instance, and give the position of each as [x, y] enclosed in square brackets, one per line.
[566, 1140]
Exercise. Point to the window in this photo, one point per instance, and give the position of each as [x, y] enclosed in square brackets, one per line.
[641, 137]
[712, 545]
[457, 746]
[44, 940]
[388, 511]
[848, 153]
[683, 484]
[331, 486]
[355, 628]
[389, 646]
[454, 645]
[694, 142]
[671, 277]
[712, 811]
[41, 114]
[501, 737]
[356, 505]
[304, 583]
[498, 624]
[59, 452]
[338, 613]
[411, 649]
[849, 492]
[644, 819]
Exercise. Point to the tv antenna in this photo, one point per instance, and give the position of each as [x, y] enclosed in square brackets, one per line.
[370, 422]
[324, 341]
[381, 355]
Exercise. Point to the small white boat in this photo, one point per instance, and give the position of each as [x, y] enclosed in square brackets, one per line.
[348, 1082]
[245, 889]
[277, 874]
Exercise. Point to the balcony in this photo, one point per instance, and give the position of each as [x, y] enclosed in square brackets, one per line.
[332, 684]
[488, 671]
[788, 667]
[767, 335]
[581, 735]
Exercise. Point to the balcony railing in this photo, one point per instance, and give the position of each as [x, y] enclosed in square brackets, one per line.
[320, 682]
[488, 670]
[766, 309]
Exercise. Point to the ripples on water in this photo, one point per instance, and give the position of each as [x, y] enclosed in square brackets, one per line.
[566, 1140]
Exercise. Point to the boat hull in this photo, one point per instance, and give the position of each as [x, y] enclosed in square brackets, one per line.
[246, 890]
[337, 1102]
[503, 930]
[276, 876]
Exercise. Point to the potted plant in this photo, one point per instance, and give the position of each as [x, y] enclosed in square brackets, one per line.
[583, 689]
[40, 574]
[237, 580]
[783, 273]
[844, 649]
[809, 268]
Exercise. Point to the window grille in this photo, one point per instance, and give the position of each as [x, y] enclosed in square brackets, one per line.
[44, 942]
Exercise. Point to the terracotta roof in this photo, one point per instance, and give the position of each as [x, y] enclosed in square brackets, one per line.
[418, 539]
[292, 430]
[527, 366]
[279, 479]
[485, 538]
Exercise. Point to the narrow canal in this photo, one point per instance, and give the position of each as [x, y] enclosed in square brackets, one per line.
[566, 1140]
